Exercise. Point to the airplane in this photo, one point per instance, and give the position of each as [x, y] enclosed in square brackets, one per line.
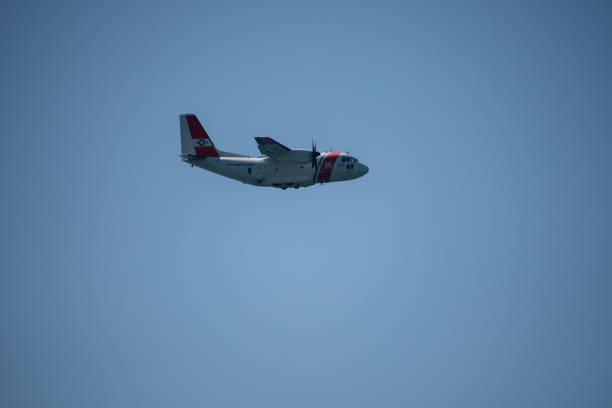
[279, 166]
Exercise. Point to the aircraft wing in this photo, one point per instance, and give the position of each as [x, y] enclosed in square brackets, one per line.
[281, 153]
[271, 147]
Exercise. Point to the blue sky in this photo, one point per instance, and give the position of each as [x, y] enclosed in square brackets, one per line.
[470, 266]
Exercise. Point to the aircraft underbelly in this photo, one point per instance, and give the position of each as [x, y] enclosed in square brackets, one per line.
[289, 174]
[259, 172]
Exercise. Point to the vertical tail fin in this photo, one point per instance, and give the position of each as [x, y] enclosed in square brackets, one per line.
[194, 139]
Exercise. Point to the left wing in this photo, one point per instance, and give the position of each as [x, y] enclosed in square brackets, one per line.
[281, 153]
[271, 147]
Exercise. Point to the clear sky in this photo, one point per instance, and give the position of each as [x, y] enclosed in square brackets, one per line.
[471, 267]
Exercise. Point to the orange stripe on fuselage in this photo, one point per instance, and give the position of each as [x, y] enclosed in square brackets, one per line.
[326, 167]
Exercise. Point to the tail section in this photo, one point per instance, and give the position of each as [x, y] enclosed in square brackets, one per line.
[194, 139]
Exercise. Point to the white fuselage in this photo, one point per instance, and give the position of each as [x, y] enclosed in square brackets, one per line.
[266, 171]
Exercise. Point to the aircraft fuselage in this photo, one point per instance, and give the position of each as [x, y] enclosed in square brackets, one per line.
[267, 172]
[279, 167]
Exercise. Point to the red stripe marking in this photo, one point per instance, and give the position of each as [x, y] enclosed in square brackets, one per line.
[206, 151]
[195, 128]
[197, 132]
[326, 167]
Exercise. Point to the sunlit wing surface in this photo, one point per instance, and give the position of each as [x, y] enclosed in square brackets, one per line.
[282, 153]
[271, 147]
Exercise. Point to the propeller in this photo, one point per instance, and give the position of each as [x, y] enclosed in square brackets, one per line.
[313, 155]
[313, 158]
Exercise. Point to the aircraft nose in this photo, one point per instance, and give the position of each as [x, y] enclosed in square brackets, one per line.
[364, 169]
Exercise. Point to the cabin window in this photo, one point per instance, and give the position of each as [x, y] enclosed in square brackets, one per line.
[249, 170]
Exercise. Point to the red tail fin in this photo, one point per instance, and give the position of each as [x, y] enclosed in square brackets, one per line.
[194, 139]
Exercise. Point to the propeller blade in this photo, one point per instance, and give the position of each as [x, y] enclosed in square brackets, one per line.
[314, 154]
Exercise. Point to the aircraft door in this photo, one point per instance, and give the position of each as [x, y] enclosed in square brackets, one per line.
[259, 173]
